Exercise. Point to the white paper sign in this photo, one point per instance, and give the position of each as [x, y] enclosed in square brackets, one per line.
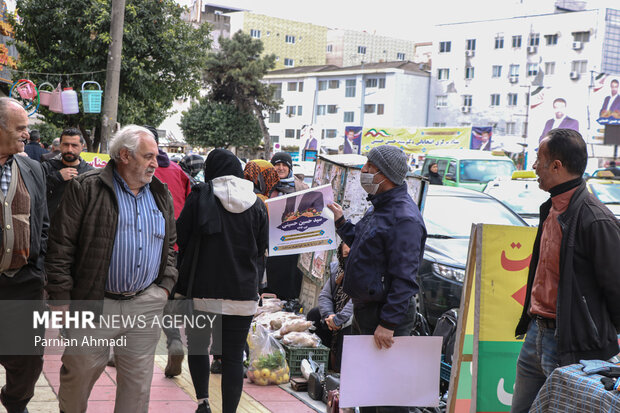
[407, 374]
[301, 222]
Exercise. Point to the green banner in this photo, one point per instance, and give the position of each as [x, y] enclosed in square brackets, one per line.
[497, 367]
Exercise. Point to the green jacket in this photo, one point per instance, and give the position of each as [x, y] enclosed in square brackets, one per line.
[82, 237]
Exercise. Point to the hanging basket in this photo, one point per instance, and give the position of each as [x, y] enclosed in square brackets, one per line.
[45, 95]
[91, 98]
[25, 90]
[55, 100]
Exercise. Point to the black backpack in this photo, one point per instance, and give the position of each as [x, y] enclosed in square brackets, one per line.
[446, 327]
[420, 327]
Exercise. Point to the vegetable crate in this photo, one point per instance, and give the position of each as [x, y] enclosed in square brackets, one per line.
[294, 356]
[444, 372]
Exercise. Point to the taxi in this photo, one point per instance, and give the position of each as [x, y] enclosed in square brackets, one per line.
[606, 187]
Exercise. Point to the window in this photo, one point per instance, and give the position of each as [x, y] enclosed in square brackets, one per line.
[289, 62]
[581, 36]
[289, 133]
[516, 41]
[289, 39]
[320, 110]
[349, 117]
[380, 109]
[349, 91]
[290, 110]
[551, 39]
[299, 110]
[443, 74]
[298, 134]
[382, 83]
[369, 108]
[579, 66]
[444, 47]
[470, 44]
[514, 70]
[277, 90]
[532, 69]
[439, 124]
[499, 42]
[441, 101]
[255, 33]
[549, 68]
[469, 73]
[371, 82]
[534, 39]
[495, 99]
[497, 71]
[465, 124]
[334, 84]
[511, 128]
[512, 99]
[361, 49]
[400, 56]
[332, 108]
[274, 117]
[300, 88]
[329, 133]
[329, 48]
[467, 100]
[274, 139]
[291, 86]
[322, 84]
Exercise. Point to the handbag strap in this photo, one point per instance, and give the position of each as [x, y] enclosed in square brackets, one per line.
[190, 285]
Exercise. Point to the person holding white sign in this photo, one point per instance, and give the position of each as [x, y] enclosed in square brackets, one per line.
[386, 249]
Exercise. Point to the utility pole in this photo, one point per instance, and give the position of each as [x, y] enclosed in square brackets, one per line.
[113, 73]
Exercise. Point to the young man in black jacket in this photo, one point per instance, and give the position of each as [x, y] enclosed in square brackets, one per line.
[60, 171]
[572, 304]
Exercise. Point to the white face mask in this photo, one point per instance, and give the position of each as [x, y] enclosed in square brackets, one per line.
[366, 182]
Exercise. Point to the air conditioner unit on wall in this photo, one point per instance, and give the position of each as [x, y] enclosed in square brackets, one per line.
[513, 79]
[470, 53]
[532, 49]
[465, 109]
[577, 45]
[574, 75]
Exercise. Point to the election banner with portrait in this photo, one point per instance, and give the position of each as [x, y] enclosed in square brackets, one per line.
[352, 139]
[604, 100]
[416, 140]
[301, 222]
[481, 138]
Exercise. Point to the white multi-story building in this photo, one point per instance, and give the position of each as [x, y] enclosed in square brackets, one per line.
[331, 98]
[350, 47]
[483, 71]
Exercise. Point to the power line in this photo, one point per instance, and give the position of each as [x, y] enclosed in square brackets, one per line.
[55, 74]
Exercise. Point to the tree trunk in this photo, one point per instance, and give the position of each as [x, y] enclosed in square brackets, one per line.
[87, 137]
[265, 130]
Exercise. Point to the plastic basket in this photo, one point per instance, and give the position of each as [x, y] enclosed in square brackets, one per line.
[294, 356]
[91, 99]
[444, 372]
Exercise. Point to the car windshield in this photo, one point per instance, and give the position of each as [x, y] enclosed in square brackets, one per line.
[607, 193]
[473, 170]
[521, 199]
[452, 216]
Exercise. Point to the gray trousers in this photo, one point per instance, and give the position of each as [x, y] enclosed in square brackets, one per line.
[82, 366]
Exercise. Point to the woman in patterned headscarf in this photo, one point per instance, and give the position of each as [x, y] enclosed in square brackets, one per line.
[263, 175]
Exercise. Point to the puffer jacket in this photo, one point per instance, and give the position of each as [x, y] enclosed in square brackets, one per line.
[81, 241]
[588, 300]
[387, 245]
[55, 182]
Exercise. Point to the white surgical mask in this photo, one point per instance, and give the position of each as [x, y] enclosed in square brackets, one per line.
[366, 182]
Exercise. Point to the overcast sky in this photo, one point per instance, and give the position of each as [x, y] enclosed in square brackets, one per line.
[407, 19]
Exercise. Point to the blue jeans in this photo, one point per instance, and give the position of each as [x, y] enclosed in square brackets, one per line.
[538, 358]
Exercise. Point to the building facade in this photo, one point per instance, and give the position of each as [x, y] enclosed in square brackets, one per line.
[485, 72]
[331, 98]
[293, 43]
[349, 47]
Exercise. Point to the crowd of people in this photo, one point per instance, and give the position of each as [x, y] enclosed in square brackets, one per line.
[141, 231]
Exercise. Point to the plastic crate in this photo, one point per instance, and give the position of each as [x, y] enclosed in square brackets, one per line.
[294, 356]
[445, 370]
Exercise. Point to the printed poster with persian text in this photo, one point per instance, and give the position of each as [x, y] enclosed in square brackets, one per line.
[301, 222]
[416, 140]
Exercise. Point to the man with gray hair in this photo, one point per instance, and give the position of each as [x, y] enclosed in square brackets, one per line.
[387, 245]
[23, 234]
[114, 243]
[54, 152]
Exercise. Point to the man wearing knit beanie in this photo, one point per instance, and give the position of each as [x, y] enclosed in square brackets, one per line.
[387, 245]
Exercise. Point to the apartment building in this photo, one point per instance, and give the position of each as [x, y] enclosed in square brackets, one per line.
[330, 98]
[349, 47]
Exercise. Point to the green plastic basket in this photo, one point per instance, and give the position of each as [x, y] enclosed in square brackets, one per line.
[91, 99]
[294, 356]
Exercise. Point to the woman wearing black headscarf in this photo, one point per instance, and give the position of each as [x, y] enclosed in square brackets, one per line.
[433, 175]
[222, 231]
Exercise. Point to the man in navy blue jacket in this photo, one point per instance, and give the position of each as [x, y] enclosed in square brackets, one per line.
[387, 245]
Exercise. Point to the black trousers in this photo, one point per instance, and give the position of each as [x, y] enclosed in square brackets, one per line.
[365, 322]
[234, 333]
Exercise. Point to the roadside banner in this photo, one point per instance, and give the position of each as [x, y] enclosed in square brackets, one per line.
[301, 222]
[352, 139]
[416, 140]
[605, 101]
[96, 160]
